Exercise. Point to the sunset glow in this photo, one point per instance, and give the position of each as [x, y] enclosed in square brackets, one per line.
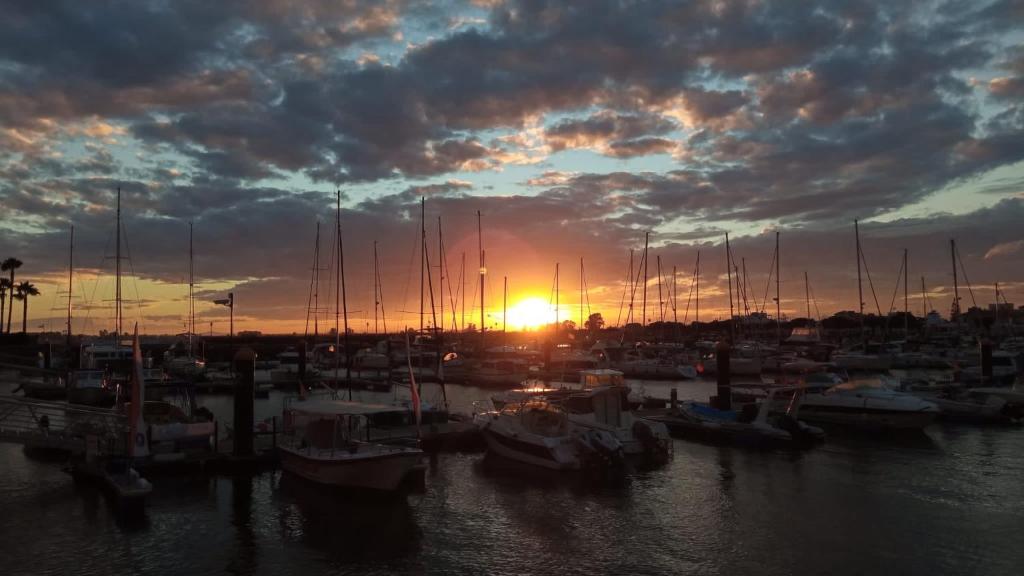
[530, 314]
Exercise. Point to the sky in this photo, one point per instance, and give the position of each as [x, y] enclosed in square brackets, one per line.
[575, 129]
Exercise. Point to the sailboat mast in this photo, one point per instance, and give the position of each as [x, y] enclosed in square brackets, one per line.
[480, 247]
[504, 307]
[344, 299]
[746, 304]
[71, 275]
[462, 279]
[906, 296]
[556, 298]
[423, 253]
[581, 293]
[697, 315]
[778, 291]
[376, 288]
[675, 302]
[632, 291]
[316, 283]
[807, 293]
[117, 272]
[860, 286]
[924, 300]
[661, 301]
[440, 273]
[956, 286]
[643, 319]
[192, 302]
[728, 272]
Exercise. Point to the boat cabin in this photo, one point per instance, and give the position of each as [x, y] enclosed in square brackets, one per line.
[595, 378]
[321, 424]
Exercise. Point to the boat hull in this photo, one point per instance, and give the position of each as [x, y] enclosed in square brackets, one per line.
[101, 397]
[383, 472]
[527, 452]
[867, 418]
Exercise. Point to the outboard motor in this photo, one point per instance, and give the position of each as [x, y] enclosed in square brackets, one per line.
[654, 438]
[601, 449]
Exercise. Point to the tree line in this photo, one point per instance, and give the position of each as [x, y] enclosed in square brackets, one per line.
[11, 291]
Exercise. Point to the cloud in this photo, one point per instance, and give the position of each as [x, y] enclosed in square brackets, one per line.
[1005, 249]
[608, 120]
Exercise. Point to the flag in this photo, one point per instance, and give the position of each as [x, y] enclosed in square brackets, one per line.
[138, 445]
[412, 382]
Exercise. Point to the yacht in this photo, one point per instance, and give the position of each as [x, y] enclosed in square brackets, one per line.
[599, 407]
[328, 442]
[865, 404]
[539, 433]
[981, 405]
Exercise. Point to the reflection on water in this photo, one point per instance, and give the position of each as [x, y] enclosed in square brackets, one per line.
[346, 526]
[948, 501]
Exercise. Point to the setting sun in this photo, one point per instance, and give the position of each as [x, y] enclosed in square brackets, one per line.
[531, 313]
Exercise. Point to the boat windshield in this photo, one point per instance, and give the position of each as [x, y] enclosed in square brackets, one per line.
[327, 432]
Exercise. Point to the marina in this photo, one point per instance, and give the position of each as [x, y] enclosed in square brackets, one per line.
[511, 287]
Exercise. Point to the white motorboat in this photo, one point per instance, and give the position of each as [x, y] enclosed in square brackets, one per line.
[328, 442]
[981, 405]
[865, 404]
[603, 405]
[538, 432]
[598, 407]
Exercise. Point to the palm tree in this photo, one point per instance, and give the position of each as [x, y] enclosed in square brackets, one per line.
[5, 285]
[11, 264]
[24, 290]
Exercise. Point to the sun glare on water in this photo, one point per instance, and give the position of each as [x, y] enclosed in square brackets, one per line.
[530, 314]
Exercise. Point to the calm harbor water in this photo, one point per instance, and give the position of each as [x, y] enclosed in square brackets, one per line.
[947, 502]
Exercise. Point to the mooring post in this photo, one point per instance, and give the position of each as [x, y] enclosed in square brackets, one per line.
[245, 393]
[986, 360]
[673, 399]
[722, 354]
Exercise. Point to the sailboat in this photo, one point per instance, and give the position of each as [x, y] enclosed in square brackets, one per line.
[188, 365]
[327, 440]
[102, 365]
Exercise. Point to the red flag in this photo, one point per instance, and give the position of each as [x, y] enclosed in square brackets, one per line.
[412, 381]
[137, 443]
